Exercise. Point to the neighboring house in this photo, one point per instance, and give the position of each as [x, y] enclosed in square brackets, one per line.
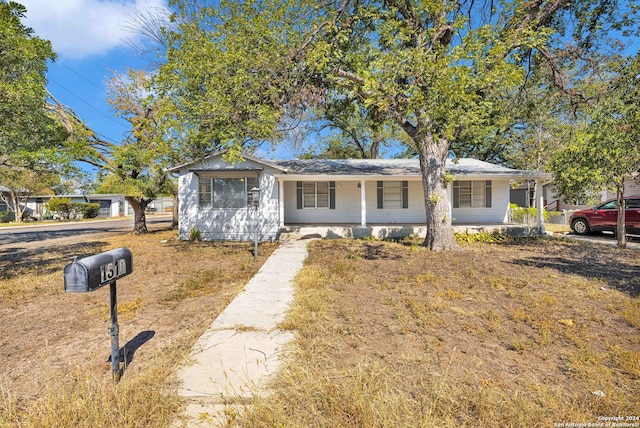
[111, 205]
[5, 211]
[557, 203]
[216, 197]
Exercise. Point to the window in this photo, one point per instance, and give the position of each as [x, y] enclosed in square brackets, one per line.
[316, 194]
[3, 206]
[611, 205]
[221, 192]
[393, 194]
[630, 203]
[471, 194]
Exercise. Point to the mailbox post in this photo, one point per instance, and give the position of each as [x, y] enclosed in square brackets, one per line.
[93, 272]
[255, 202]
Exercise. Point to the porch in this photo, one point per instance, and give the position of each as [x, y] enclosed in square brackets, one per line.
[397, 231]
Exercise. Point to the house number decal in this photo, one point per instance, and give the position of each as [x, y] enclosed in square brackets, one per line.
[112, 271]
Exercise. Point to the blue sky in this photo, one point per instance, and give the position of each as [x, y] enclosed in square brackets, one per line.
[92, 41]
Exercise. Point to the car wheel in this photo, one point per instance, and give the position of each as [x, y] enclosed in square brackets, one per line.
[580, 226]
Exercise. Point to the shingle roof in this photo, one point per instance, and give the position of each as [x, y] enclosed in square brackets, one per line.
[382, 167]
[407, 167]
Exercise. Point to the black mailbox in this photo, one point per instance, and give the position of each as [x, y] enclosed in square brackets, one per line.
[91, 273]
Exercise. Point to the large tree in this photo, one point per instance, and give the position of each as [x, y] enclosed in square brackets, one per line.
[22, 183]
[434, 69]
[30, 137]
[25, 126]
[134, 166]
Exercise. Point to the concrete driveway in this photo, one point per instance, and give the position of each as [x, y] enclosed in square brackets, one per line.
[633, 241]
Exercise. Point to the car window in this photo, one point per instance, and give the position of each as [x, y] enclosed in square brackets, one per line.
[611, 205]
[633, 203]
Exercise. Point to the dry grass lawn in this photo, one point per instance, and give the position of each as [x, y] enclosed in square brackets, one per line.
[523, 333]
[55, 346]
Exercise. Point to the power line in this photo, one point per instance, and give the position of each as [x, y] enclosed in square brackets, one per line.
[85, 102]
[79, 75]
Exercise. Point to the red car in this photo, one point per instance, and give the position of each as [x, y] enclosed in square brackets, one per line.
[604, 217]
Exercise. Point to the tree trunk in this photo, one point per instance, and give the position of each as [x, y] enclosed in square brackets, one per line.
[139, 206]
[621, 230]
[176, 202]
[17, 211]
[433, 156]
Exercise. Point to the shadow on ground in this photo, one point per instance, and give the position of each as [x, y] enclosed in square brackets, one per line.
[15, 261]
[618, 268]
[34, 236]
[126, 353]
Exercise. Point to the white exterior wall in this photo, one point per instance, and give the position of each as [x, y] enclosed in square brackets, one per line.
[228, 224]
[497, 213]
[414, 213]
[115, 207]
[347, 209]
[347, 206]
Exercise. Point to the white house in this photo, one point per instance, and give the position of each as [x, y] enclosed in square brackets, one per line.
[216, 196]
[111, 205]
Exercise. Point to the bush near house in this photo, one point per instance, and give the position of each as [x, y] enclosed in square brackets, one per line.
[528, 215]
[5, 216]
[73, 210]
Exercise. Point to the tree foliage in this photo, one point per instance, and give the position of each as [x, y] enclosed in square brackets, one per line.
[605, 152]
[22, 183]
[438, 71]
[25, 126]
[135, 166]
[30, 137]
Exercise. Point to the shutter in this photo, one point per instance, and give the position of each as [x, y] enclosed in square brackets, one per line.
[456, 194]
[332, 195]
[405, 194]
[380, 195]
[487, 194]
[299, 195]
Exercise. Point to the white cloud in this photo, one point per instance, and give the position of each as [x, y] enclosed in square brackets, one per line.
[82, 28]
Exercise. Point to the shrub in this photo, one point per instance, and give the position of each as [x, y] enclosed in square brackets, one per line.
[60, 206]
[525, 215]
[5, 216]
[88, 210]
[194, 234]
[73, 210]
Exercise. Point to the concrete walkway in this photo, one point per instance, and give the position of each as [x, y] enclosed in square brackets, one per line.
[233, 360]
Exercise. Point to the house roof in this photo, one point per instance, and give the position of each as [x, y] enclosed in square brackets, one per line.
[339, 168]
[398, 167]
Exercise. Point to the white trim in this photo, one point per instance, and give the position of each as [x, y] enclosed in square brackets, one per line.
[450, 198]
[363, 204]
[540, 206]
[280, 203]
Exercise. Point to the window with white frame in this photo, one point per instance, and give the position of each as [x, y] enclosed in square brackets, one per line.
[471, 194]
[393, 194]
[316, 194]
[226, 192]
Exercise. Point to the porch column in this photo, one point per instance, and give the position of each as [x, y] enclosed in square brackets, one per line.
[540, 206]
[280, 203]
[363, 205]
[450, 198]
